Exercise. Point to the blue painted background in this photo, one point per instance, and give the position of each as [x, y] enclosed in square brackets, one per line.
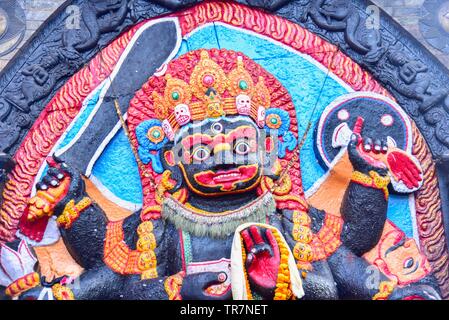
[309, 86]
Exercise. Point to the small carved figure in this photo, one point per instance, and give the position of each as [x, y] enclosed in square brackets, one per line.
[416, 81]
[340, 15]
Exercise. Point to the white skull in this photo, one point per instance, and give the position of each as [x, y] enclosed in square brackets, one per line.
[261, 117]
[169, 133]
[243, 104]
[182, 114]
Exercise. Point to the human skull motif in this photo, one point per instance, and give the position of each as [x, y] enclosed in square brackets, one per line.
[169, 133]
[243, 104]
[261, 117]
[182, 114]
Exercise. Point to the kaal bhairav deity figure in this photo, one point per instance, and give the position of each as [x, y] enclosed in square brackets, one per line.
[225, 215]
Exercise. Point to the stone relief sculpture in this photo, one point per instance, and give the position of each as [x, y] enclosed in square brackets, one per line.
[248, 158]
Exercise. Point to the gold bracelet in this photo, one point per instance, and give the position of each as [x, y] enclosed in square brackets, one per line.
[173, 285]
[72, 212]
[374, 180]
[61, 292]
[385, 290]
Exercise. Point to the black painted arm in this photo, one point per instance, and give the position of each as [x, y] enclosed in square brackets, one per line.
[364, 211]
[85, 238]
[81, 221]
[364, 207]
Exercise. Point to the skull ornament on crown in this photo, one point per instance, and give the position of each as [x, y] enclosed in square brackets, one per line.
[182, 114]
[243, 104]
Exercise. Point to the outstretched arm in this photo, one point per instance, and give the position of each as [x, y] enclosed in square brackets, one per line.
[61, 193]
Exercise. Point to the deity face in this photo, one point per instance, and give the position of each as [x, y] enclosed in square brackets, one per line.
[243, 104]
[220, 156]
[182, 114]
[214, 109]
[402, 258]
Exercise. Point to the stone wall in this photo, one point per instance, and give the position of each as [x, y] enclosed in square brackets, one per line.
[37, 11]
[407, 13]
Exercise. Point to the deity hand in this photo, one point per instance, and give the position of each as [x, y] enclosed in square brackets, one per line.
[53, 190]
[262, 260]
[194, 286]
[367, 154]
[385, 158]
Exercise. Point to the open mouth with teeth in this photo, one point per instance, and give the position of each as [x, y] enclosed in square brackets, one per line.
[182, 120]
[226, 179]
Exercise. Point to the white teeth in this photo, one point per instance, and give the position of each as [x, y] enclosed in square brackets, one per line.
[228, 175]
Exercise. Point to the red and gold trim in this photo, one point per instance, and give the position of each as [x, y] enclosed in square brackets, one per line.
[23, 284]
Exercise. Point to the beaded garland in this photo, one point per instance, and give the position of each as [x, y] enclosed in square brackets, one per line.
[61, 292]
[318, 246]
[385, 290]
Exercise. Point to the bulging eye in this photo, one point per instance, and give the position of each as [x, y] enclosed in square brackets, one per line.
[409, 263]
[201, 153]
[242, 147]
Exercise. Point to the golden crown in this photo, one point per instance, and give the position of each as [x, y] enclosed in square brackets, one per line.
[211, 93]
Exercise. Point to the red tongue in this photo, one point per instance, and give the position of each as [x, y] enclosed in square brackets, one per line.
[404, 169]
